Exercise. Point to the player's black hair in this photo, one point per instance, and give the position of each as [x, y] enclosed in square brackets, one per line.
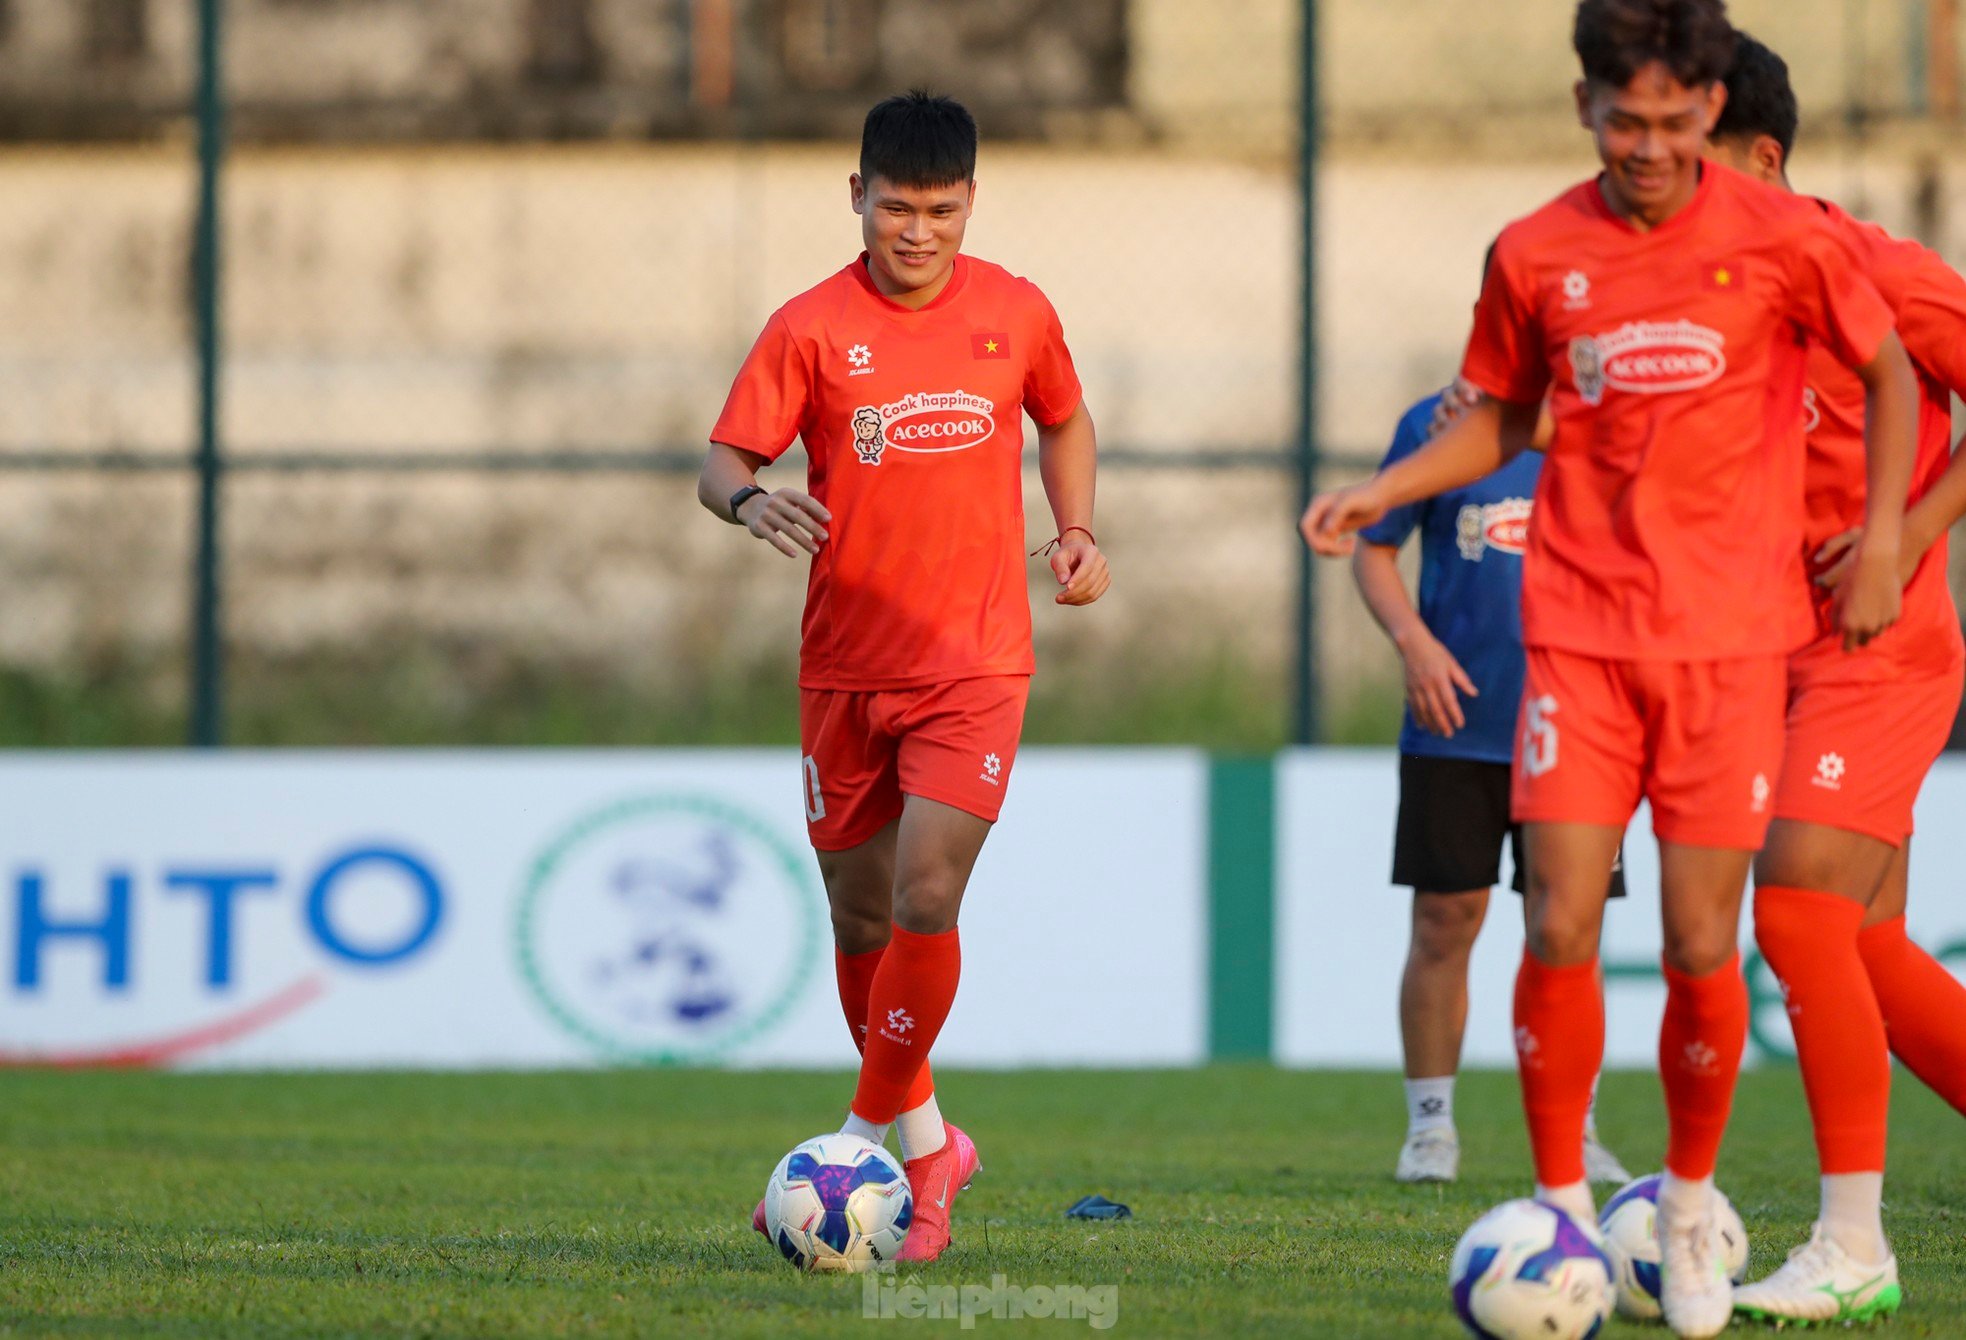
[918, 139]
[1615, 39]
[1760, 98]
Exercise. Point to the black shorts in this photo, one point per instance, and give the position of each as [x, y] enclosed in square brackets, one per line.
[1453, 818]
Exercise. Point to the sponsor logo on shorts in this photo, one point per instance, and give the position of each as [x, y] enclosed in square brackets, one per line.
[1647, 358]
[1829, 772]
[1759, 793]
[992, 769]
[1501, 526]
[926, 423]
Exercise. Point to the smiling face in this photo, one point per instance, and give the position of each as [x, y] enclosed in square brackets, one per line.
[1650, 136]
[912, 234]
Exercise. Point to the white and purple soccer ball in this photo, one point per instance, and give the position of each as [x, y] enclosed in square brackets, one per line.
[1629, 1222]
[1528, 1271]
[838, 1202]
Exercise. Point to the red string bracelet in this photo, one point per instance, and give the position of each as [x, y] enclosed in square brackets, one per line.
[1045, 550]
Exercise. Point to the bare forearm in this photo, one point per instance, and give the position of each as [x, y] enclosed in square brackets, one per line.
[1890, 444]
[726, 469]
[1476, 445]
[1375, 568]
[1943, 504]
[1068, 462]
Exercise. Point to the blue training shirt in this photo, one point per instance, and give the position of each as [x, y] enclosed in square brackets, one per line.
[1471, 544]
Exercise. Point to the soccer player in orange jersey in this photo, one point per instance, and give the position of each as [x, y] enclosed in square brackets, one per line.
[1662, 308]
[907, 375]
[1864, 728]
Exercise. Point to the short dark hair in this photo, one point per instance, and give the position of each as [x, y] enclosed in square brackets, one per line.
[918, 139]
[1615, 39]
[1760, 98]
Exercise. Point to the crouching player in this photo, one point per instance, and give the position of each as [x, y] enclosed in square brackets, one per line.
[1462, 652]
[907, 374]
[1864, 728]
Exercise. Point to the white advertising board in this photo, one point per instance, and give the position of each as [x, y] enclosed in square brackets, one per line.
[301, 909]
[1342, 929]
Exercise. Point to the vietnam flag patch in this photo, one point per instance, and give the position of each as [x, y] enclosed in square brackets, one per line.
[990, 344]
[1724, 277]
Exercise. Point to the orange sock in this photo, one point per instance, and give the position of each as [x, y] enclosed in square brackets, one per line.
[909, 999]
[1810, 940]
[856, 978]
[1701, 1039]
[1559, 1040]
[1924, 1009]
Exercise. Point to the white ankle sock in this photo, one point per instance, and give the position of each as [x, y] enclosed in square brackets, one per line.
[1574, 1200]
[1682, 1199]
[865, 1129]
[920, 1130]
[1429, 1104]
[1853, 1215]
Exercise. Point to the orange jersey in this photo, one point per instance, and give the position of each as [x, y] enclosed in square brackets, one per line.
[1670, 504]
[913, 421]
[1929, 299]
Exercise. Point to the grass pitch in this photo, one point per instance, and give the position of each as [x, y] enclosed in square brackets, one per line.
[617, 1204]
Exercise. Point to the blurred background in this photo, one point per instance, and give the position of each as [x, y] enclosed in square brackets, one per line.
[411, 460]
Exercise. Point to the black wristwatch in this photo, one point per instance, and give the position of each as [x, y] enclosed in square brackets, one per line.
[742, 496]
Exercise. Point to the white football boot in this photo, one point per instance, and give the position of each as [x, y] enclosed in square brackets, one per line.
[1695, 1294]
[1823, 1283]
[1600, 1164]
[1430, 1156]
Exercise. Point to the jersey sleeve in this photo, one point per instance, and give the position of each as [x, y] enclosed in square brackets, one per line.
[1932, 319]
[1051, 382]
[1505, 354]
[768, 401]
[1831, 296]
[1395, 526]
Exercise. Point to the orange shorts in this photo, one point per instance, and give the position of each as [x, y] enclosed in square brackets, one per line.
[1858, 752]
[950, 742]
[1700, 740]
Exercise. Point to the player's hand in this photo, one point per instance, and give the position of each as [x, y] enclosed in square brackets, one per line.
[1434, 683]
[1333, 519]
[1871, 596]
[1839, 555]
[788, 520]
[1455, 401]
[1080, 568]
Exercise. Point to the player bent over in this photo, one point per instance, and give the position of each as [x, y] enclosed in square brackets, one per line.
[1864, 728]
[1657, 308]
[1462, 651]
[907, 375]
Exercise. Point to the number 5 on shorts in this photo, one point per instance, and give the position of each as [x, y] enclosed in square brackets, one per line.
[1538, 735]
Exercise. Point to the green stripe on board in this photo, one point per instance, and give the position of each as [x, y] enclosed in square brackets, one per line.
[1242, 913]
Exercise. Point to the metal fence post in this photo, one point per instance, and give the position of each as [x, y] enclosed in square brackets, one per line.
[1307, 721]
[207, 649]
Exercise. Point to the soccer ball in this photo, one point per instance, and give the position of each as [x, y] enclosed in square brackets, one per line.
[1629, 1224]
[838, 1202]
[1528, 1271]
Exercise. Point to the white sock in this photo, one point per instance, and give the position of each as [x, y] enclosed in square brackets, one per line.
[920, 1130]
[1853, 1215]
[1590, 1113]
[1685, 1201]
[1429, 1105]
[1574, 1200]
[865, 1129]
